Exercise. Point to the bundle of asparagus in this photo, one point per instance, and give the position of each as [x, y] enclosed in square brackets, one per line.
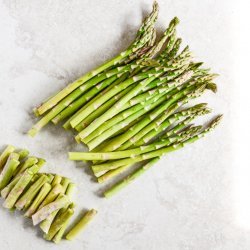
[130, 109]
[46, 198]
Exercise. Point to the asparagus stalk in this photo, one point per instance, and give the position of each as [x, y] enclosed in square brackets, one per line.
[8, 188]
[57, 180]
[28, 163]
[23, 154]
[88, 156]
[59, 222]
[163, 122]
[38, 200]
[8, 169]
[143, 36]
[123, 183]
[57, 238]
[5, 155]
[81, 224]
[26, 199]
[96, 113]
[65, 103]
[116, 108]
[20, 186]
[53, 194]
[190, 92]
[44, 212]
[45, 225]
[156, 153]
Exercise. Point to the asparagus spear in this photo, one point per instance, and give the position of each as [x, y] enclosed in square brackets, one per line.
[28, 163]
[38, 200]
[45, 225]
[8, 169]
[81, 224]
[26, 199]
[57, 179]
[23, 154]
[44, 212]
[57, 238]
[120, 185]
[59, 222]
[5, 155]
[156, 153]
[143, 36]
[20, 186]
[53, 194]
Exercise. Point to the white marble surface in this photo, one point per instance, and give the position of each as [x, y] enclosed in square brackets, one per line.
[194, 199]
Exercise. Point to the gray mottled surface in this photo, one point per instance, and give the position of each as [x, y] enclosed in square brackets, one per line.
[194, 199]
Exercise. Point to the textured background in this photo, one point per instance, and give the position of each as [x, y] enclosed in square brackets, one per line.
[193, 199]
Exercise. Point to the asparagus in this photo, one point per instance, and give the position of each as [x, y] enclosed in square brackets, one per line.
[59, 222]
[45, 225]
[28, 163]
[20, 186]
[120, 185]
[8, 188]
[81, 224]
[116, 108]
[57, 238]
[156, 153]
[57, 179]
[23, 154]
[53, 194]
[44, 212]
[8, 169]
[190, 92]
[61, 227]
[5, 155]
[38, 200]
[82, 156]
[143, 36]
[26, 199]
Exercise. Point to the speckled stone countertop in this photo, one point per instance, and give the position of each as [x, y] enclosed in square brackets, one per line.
[190, 200]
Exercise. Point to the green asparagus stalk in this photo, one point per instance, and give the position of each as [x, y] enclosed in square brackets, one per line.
[126, 181]
[116, 108]
[20, 186]
[53, 194]
[5, 155]
[57, 180]
[88, 156]
[96, 113]
[156, 153]
[28, 163]
[57, 238]
[163, 122]
[26, 199]
[143, 36]
[190, 91]
[23, 154]
[38, 200]
[65, 103]
[120, 185]
[44, 212]
[8, 169]
[81, 224]
[8, 188]
[59, 222]
[118, 81]
[45, 225]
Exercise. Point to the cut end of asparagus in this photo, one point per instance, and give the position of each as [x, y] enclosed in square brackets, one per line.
[32, 132]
